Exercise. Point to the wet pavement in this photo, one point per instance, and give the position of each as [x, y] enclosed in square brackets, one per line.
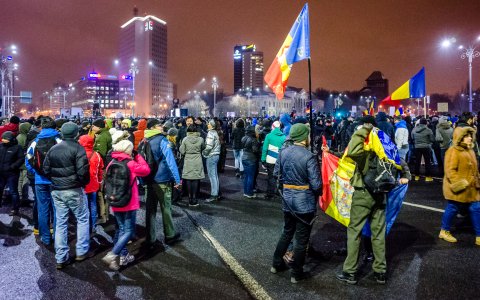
[226, 251]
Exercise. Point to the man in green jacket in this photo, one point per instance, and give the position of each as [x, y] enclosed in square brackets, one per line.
[271, 146]
[103, 144]
[23, 180]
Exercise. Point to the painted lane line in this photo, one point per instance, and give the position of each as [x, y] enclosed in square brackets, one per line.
[232, 167]
[424, 207]
[252, 286]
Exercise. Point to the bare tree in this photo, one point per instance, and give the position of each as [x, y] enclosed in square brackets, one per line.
[196, 107]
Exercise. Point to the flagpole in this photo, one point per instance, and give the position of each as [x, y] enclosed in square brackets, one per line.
[311, 106]
[425, 107]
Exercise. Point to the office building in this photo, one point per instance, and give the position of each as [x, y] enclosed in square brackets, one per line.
[247, 68]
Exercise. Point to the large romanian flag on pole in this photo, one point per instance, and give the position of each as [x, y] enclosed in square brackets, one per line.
[413, 88]
[296, 47]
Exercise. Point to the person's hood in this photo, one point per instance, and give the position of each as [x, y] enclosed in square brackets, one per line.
[277, 132]
[444, 125]
[401, 124]
[127, 122]
[421, 127]
[24, 128]
[48, 133]
[152, 132]
[86, 142]
[459, 133]
[194, 137]
[285, 119]
[120, 155]
[250, 130]
[142, 124]
[381, 117]
[11, 127]
[443, 119]
[109, 123]
[35, 129]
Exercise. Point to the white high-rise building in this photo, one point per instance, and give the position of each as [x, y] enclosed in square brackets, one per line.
[143, 54]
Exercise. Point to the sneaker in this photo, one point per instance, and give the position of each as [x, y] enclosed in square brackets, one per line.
[125, 260]
[35, 231]
[193, 203]
[477, 241]
[380, 277]
[62, 265]
[281, 268]
[111, 260]
[84, 257]
[211, 199]
[297, 278]
[417, 178]
[173, 239]
[348, 278]
[428, 179]
[250, 196]
[447, 236]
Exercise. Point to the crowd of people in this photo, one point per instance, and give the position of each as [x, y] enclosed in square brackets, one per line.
[96, 169]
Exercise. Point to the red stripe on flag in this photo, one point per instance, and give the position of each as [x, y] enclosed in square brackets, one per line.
[273, 78]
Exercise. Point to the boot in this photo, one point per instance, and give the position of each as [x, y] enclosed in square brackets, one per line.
[112, 261]
[192, 202]
[447, 236]
[477, 241]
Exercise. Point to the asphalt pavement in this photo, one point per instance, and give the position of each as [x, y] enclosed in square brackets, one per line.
[226, 250]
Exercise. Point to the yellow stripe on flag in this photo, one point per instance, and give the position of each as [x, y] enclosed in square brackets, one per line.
[402, 92]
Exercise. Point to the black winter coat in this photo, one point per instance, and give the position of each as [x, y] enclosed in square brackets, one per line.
[251, 147]
[237, 135]
[66, 165]
[11, 158]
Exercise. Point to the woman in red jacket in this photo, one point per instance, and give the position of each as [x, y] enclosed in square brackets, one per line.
[125, 215]
[96, 175]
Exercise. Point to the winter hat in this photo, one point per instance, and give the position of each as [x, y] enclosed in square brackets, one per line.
[100, 123]
[8, 135]
[15, 120]
[276, 124]
[172, 132]
[124, 146]
[118, 135]
[69, 130]
[299, 132]
[59, 122]
[127, 122]
[152, 123]
[368, 119]
[85, 124]
[301, 120]
[167, 125]
[443, 119]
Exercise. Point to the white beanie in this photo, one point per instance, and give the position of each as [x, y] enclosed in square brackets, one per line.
[119, 135]
[124, 146]
[276, 124]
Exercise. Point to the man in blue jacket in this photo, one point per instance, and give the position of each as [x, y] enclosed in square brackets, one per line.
[160, 190]
[300, 175]
[43, 192]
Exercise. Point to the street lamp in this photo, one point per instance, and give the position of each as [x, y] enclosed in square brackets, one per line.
[214, 86]
[469, 53]
[133, 71]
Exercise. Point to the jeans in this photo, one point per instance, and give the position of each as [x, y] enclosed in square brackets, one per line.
[213, 174]
[402, 152]
[426, 153]
[124, 232]
[452, 209]
[159, 193]
[73, 200]
[92, 208]
[237, 154]
[248, 176]
[10, 181]
[271, 182]
[46, 212]
[294, 227]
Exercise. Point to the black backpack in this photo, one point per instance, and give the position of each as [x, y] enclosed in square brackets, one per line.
[40, 152]
[116, 185]
[381, 176]
[145, 150]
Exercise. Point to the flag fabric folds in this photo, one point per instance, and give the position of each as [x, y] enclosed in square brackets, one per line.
[296, 47]
[336, 199]
[413, 88]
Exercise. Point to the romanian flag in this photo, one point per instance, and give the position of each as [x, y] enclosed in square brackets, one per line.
[336, 199]
[413, 88]
[399, 111]
[296, 47]
[371, 110]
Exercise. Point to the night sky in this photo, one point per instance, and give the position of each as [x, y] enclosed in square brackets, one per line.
[61, 40]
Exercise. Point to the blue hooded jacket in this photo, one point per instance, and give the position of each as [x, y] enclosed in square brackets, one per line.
[286, 121]
[44, 134]
[401, 124]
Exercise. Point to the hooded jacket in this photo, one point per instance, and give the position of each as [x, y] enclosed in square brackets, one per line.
[22, 135]
[422, 136]
[461, 182]
[251, 146]
[401, 134]
[138, 168]
[9, 127]
[103, 142]
[11, 158]
[191, 149]
[237, 134]
[140, 133]
[287, 123]
[444, 133]
[272, 145]
[96, 164]
[167, 170]
[44, 134]
[384, 125]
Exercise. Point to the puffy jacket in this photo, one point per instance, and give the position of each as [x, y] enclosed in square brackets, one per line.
[22, 135]
[300, 175]
[9, 127]
[286, 122]
[96, 164]
[237, 134]
[401, 134]
[422, 136]
[272, 145]
[444, 134]
[140, 133]
[138, 168]
[191, 149]
[103, 142]
[384, 125]
[11, 158]
[251, 147]
[167, 170]
[44, 134]
[212, 144]
[67, 166]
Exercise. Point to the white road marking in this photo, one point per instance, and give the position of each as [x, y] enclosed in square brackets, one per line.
[253, 287]
[424, 207]
[232, 167]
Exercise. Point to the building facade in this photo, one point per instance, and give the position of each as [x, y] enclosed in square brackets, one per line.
[143, 55]
[376, 85]
[247, 68]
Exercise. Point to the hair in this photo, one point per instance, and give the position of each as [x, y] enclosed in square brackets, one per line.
[192, 128]
[423, 121]
[48, 122]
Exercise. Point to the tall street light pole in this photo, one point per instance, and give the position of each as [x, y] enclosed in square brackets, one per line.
[469, 53]
[133, 71]
[214, 86]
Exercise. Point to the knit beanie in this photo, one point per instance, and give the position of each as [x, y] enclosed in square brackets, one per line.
[152, 123]
[127, 122]
[172, 132]
[124, 146]
[100, 123]
[119, 135]
[59, 122]
[299, 132]
[15, 120]
[276, 124]
[167, 125]
[8, 135]
[69, 130]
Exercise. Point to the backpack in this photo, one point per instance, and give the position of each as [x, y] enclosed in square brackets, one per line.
[380, 176]
[145, 150]
[116, 185]
[40, 152]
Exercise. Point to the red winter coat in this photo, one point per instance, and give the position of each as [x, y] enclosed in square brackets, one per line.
[139, 134]
[9, 127]
[138, 168]
[96, 164]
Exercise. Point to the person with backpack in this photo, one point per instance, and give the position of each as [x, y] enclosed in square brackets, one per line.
[139, 133]
[34, 161]
[212, 155]
[96, 177]
[163, 171]
[121, 190]
[66, 165]
[11, 159]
